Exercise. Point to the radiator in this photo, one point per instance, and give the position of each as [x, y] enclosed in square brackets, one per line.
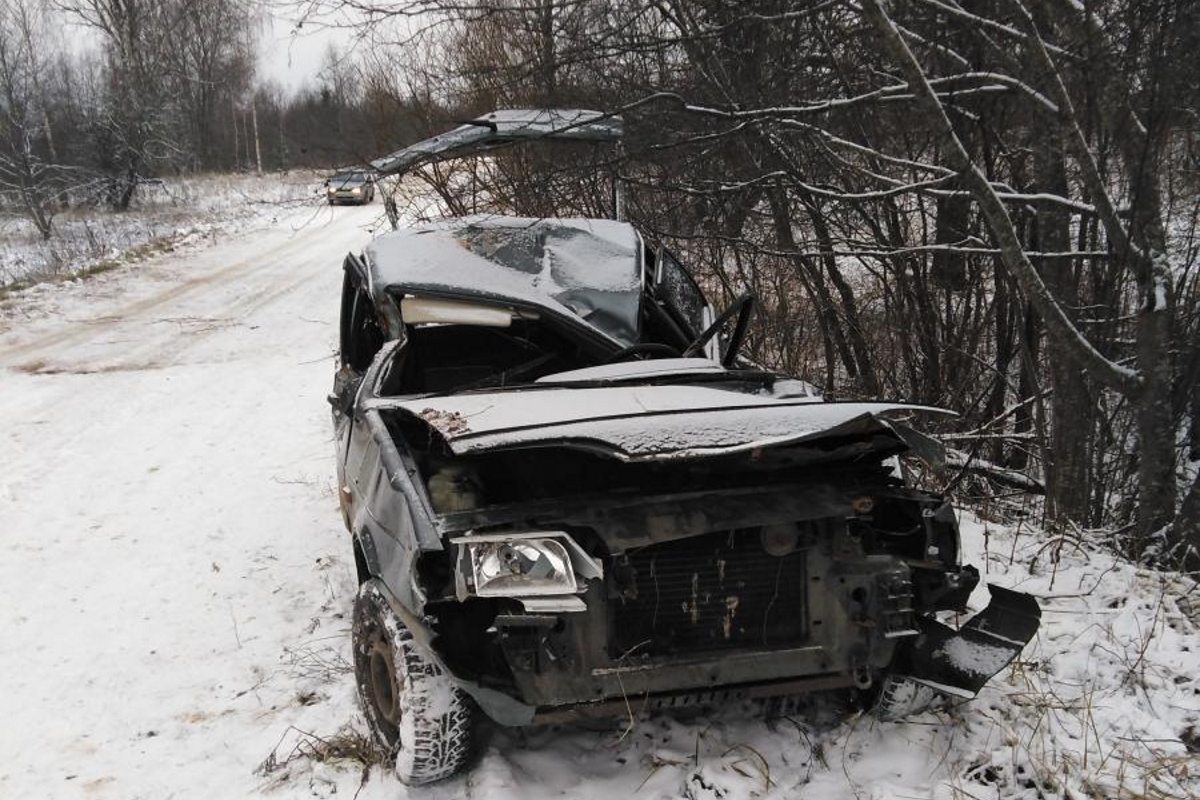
[709, 593]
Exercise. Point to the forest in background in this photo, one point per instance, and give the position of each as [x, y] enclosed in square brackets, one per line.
[100, 96]
[989, 206]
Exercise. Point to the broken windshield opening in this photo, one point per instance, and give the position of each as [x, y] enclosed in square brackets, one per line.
[595, 277]
[444, 359]
[589, 269]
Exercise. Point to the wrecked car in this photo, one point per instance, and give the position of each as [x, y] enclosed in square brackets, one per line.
[570, 496]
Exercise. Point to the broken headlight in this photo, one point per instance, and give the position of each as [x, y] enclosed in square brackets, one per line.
[532, 564]
[525, 567]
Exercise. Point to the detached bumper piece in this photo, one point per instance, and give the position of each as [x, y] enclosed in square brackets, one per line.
[958, 663]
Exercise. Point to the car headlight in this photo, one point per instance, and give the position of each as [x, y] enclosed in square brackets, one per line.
[529, 564]
[330, 189]
[525, 567]
[356, 190]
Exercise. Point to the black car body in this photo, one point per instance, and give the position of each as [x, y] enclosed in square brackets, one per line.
[570, 496]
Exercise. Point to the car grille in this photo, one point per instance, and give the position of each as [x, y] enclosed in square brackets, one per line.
[714, 592]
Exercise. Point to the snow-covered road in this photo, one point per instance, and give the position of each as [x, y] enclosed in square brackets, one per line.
[175, 587]
[168, 522]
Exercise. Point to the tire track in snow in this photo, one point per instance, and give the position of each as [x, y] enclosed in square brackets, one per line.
[262, 272]
[182, 514]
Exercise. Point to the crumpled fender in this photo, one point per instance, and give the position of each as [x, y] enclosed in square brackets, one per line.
[498, 706]
[959, 662]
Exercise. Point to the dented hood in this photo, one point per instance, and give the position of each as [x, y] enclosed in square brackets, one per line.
[650, 423]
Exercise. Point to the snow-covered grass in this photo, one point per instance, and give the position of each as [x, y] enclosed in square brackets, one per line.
[179, 211]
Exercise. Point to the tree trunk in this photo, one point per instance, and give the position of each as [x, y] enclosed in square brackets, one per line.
[854, 331]
[1002, 324]
[1155, 350]
[547, 55]
[236, 153]
[127, 186]
[815, 281]
[1186, 529]
[257, 149]
[1030, 346]
[1071, 412]
[951, 227]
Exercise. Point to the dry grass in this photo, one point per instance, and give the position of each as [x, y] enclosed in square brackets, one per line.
[346, 745]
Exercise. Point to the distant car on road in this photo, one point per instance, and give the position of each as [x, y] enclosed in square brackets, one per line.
[350, 186]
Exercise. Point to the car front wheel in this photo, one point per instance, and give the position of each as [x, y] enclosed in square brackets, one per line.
[412, 707]
[901, 697]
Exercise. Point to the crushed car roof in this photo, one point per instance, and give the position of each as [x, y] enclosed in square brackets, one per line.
[587, 269]
[646, 423]
[504, 127]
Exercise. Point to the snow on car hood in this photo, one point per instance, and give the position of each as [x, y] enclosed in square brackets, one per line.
[590, 269]
[642, 423]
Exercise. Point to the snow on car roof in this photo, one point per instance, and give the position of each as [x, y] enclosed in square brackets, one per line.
[639, 423]
[590, 269]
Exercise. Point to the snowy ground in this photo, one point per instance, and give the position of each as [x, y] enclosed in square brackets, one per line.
[176, 584]
[177, 211]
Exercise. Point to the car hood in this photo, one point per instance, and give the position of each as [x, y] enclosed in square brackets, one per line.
[503, 127]
[651, 423]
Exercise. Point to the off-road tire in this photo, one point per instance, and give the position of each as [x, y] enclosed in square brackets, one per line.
[413, 709]
[901, 697]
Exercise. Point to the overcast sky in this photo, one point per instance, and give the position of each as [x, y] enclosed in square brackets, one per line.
[290, 56]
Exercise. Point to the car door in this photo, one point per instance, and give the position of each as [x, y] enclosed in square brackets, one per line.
[681, 297]
[360, 338]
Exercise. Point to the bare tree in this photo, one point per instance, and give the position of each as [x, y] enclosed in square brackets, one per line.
[211, 64]
[135, 123]
[29, 175]
[979, 214]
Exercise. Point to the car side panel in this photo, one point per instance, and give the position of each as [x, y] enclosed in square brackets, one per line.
[388, 510]
[380, 515]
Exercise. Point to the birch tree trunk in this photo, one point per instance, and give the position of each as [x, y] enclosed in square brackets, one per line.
[257, 148]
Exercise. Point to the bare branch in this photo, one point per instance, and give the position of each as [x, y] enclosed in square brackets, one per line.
[1107, 372]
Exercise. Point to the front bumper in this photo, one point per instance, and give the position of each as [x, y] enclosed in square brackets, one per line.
[855, 615]
[959, 663]
[694, 620]
[559, 676]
